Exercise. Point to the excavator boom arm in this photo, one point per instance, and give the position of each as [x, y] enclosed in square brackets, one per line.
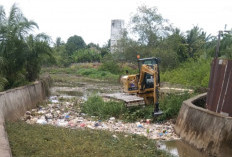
[154, 72]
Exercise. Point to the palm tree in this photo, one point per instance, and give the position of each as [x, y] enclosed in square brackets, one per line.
[37, 47]
[196, 39]
[226, 46]
[13, 32]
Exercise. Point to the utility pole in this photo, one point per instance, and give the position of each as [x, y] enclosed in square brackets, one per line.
[218, 44]
[220, 33]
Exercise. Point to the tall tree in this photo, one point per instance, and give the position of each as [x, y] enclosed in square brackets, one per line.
[20, 52]
[37, 46]
[13, 32]
[176, 42]
[196, 40]
[149, 25]
[226, 46]
[59, 42]
[74, 43]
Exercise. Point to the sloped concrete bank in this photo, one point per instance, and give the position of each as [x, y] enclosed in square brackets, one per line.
[15, 102]
[206, 130]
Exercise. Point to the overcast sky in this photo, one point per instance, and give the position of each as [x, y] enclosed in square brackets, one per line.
[91, 19]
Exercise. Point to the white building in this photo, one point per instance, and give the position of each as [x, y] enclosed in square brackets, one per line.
[117, 27]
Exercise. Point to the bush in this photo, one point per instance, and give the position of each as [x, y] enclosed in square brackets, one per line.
[191, 73]
[109, 64]
[136, 113]
[132, 69]
[95, 106]
[171, 105]
[86, 55]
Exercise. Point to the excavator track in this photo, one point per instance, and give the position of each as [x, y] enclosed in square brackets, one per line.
[128, 99]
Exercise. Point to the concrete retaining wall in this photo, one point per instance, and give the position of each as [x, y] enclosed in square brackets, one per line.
[206, 130]
[14, 103]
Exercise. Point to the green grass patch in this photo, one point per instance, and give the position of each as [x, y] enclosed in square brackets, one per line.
[100, 71]
[44, 140]
[171, 104]
[97, 74]
[59, 70]
[137, 113]
[96, 106]
[83, 71]
[191, 73]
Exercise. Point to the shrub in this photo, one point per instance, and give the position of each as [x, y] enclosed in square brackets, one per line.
[97, 74]
[95, 106]
[86, 55]
[137, 113]
[191, 73]
[171, 104]
[109, 64]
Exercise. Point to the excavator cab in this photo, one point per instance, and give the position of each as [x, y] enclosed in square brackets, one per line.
[148, 61]
[148, 81]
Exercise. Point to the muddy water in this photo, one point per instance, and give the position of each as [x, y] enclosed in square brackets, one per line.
[179, 148]
[82, 88]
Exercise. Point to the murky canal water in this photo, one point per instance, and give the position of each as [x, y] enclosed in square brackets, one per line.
[179, 148]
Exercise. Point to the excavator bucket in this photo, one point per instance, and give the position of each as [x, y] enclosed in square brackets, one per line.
[156, 114]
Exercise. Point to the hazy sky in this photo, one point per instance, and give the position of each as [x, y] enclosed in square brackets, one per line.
[91, 19]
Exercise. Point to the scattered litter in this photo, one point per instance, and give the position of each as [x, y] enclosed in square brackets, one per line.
[96, 124]
[82, 125]
[115, 136]
[148, 121]
[41, 121]
[54, 99]
[61, 123]
[112, 119]
[64, 115]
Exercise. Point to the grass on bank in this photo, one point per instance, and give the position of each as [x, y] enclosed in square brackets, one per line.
[102, 71]
[169, 104]
[191, 73]
[43, 140]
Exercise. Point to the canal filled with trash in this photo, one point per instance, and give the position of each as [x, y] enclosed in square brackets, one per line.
[62, 109]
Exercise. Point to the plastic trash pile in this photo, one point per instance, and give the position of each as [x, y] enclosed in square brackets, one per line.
[64, 115]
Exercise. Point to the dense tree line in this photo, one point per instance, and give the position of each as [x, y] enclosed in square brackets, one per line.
[75, 50]
[149, 34]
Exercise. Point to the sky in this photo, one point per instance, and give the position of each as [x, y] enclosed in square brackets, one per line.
[91, 19]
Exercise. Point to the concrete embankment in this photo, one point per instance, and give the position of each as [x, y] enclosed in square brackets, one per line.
[206, 130]
[15, 102]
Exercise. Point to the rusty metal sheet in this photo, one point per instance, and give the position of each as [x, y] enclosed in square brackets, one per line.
[219, 96]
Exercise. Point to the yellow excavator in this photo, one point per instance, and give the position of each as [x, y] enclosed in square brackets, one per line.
[142, 88]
